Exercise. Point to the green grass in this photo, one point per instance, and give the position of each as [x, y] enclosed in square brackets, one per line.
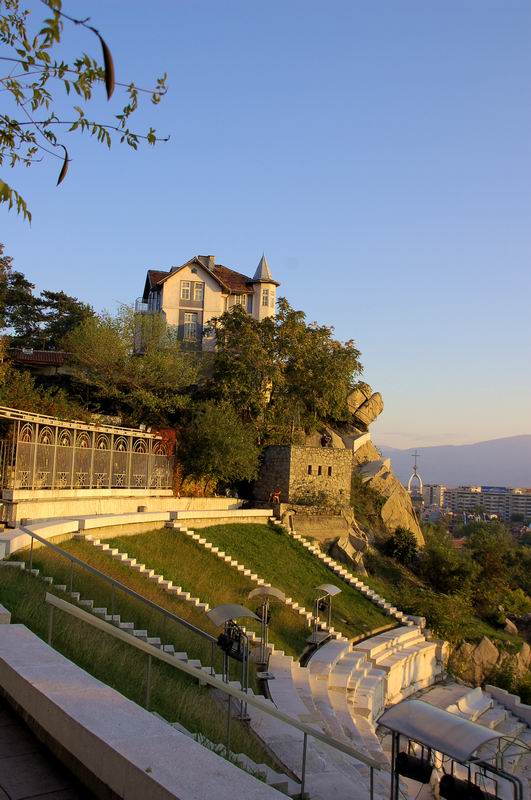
[173, 695]
[287, 565]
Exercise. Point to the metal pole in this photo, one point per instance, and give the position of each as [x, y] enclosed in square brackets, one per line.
[50, 624]
[212, 658]
[393, 765]
[227, 746]
[329, 611]
[371, 779]
[148, 682]
[31, 555]
[303, 775]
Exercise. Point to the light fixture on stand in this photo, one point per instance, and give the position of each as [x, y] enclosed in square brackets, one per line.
[323, 601]
[266, 594]
[233, 642]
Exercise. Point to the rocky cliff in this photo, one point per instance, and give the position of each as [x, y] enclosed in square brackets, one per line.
[374, 471]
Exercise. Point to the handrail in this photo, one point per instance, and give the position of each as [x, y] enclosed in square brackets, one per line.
[251, 700]
[114, 582]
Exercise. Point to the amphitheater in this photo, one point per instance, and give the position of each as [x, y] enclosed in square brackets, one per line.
[372, 715]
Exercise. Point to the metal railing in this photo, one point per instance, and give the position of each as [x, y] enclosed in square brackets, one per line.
[118, 586]
[251, 700]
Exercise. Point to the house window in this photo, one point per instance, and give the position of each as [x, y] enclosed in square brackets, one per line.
[309, 469]
[190, 327]
[236, 300]
[272, 298]
[319, 470]
[198, 292]
[250, 303]
[329, 472]
[265, 297]
[185, 290]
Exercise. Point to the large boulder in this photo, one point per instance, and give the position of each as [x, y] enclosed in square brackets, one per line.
[359, 395]
[369, 410]
[474, 663]
[367, 452]
[397, 510]
[350, 553]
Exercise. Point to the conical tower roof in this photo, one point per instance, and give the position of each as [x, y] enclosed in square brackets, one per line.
[263, 273]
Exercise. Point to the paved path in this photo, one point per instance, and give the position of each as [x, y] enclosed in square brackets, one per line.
[27, 769]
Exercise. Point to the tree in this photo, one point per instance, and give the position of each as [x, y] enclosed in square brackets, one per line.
[446, 569]
[35, 82]
[31, 320]
[244, 366]
[217, 446]
[402, 546]
[282, 372]
[148, 388]
[18, 389]
[318, 370]
[22, 311]
[61, 315]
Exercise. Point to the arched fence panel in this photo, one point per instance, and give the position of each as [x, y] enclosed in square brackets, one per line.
[39, 452]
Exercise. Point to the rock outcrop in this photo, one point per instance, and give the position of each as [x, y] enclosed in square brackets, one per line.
[364, 405]
[476, 663]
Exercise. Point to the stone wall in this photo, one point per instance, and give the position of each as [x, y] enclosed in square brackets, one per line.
[300, 472]
[320, 469]
[274, 473]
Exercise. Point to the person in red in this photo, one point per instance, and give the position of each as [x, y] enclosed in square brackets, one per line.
[275, 497]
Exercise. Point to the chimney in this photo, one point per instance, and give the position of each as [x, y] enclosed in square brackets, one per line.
[211, 263]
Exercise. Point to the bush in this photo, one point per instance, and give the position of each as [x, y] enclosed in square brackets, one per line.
[402, 546]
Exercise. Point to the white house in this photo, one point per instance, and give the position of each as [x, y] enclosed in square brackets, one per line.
[191, 295]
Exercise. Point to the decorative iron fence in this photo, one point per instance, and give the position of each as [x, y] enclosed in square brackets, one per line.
[47, 453]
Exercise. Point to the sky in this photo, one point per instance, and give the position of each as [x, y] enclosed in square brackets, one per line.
[378, 152]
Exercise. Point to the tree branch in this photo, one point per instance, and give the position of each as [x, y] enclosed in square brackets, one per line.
[38, 69]
[100, 125]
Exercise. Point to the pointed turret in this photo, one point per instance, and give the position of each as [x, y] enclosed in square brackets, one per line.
[263, 273]
[264, 291]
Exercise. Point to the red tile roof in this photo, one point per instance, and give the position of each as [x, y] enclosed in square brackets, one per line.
[156, 275]
[234, 281]
[52, 358]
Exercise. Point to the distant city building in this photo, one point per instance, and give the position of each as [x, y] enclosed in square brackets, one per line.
[501, 501]
[433, 494]
[191, 295]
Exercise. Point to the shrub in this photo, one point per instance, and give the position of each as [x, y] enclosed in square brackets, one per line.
[402, 546]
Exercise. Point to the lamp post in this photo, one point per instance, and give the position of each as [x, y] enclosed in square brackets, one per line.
[233, 641]
[326, 592]
[266, 593]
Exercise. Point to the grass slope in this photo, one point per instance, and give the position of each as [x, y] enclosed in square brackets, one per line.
[173, 695]
[286, 564]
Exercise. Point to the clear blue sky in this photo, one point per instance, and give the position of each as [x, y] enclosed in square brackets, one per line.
[378, 151]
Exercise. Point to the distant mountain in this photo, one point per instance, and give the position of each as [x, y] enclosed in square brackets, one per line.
[498, 462]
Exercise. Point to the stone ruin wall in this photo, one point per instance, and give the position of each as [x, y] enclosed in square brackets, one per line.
[331, 471]
[274, 473]
[287, 467]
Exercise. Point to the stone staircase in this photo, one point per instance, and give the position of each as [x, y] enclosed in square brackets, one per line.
[479, 706]
[235, 564]
[116, 620]
[339, 569]
[277, 780]
[145, 572]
